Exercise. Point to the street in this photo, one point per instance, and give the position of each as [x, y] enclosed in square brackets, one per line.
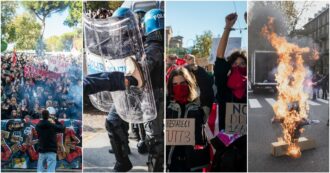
[261, 133]
[96, 148]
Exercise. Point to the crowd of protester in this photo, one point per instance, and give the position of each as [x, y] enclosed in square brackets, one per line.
[25, 95]
[101, 13]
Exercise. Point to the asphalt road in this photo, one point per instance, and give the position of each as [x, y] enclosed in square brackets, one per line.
[96, 157]
[261, 133]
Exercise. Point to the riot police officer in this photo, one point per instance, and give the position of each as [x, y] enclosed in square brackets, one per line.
[154, 49]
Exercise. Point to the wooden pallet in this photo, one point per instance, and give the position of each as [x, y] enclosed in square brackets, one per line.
[280, 148]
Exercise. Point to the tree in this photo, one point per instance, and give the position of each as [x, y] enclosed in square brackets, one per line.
[53, 44]
[8, 11]
[95, 5]
[178, 51]
[44, 9]
[74, 17]
[202, 45]
[65, 42]
[24, 31]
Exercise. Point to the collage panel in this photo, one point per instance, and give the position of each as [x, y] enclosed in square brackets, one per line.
[288, 112]
[206, 84]
[123, 86]
[41, 86]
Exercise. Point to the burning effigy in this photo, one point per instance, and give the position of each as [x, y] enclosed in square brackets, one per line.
[291, 107]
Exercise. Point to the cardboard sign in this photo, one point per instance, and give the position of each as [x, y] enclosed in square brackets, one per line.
[180, 131]
[236, 119]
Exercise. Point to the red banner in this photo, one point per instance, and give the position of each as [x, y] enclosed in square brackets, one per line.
[33, 72]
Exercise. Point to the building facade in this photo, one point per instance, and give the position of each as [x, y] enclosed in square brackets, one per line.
[318, 29]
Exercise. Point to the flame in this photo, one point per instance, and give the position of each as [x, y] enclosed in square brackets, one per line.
[291, 106]
[294, 151]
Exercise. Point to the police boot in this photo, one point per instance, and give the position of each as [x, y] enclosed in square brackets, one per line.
[123, 164]
[126, 148]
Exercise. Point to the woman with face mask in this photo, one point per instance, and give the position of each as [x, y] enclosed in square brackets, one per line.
[183, 102]
[231, 82]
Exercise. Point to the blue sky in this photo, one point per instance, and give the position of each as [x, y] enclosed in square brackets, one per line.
[189, 19]
[54, 24]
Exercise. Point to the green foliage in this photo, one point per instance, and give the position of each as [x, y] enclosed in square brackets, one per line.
[44, 9]
[178, 51]
[8, 11]
[53, 44]
[24, 31]
[202, 45]
[75, 11]
[65, 42]
[111, 5]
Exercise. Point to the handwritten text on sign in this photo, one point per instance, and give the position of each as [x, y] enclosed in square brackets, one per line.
[236, 118]
[180, 131]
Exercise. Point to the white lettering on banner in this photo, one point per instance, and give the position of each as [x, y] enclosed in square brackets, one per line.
[180, 131]
[236, 118]
[97, 65]
[94, 64]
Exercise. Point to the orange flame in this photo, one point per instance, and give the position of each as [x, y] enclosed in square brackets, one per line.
[291, 106]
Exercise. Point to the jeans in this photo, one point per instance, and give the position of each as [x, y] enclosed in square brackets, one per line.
[50, 159]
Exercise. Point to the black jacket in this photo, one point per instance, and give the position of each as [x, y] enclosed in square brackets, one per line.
[224, 94]
[205, 83]
[193, 159]
[231, 158]
[155, 58]
[47, 135]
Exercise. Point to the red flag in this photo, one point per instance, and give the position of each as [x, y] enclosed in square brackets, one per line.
[14, 57]
[211, 128]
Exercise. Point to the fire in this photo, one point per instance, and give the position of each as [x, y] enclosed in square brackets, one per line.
[291, 106]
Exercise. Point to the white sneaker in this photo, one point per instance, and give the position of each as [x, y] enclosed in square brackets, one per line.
[133, 69]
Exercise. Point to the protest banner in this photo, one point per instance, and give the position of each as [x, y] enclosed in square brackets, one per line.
[33, 72]
[58, 64]
[180, 131]
[19, 145]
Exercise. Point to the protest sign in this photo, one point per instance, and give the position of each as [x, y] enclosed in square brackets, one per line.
[180, 131]
[236, 118]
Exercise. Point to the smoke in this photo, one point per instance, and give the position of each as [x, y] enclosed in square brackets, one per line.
[36, 87]
[258, 16]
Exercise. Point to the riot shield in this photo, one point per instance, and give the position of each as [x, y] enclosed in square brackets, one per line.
[108, 42]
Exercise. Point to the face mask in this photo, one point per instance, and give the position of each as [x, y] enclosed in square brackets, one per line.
[237, 81]
[240, 70]
[181, 93]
